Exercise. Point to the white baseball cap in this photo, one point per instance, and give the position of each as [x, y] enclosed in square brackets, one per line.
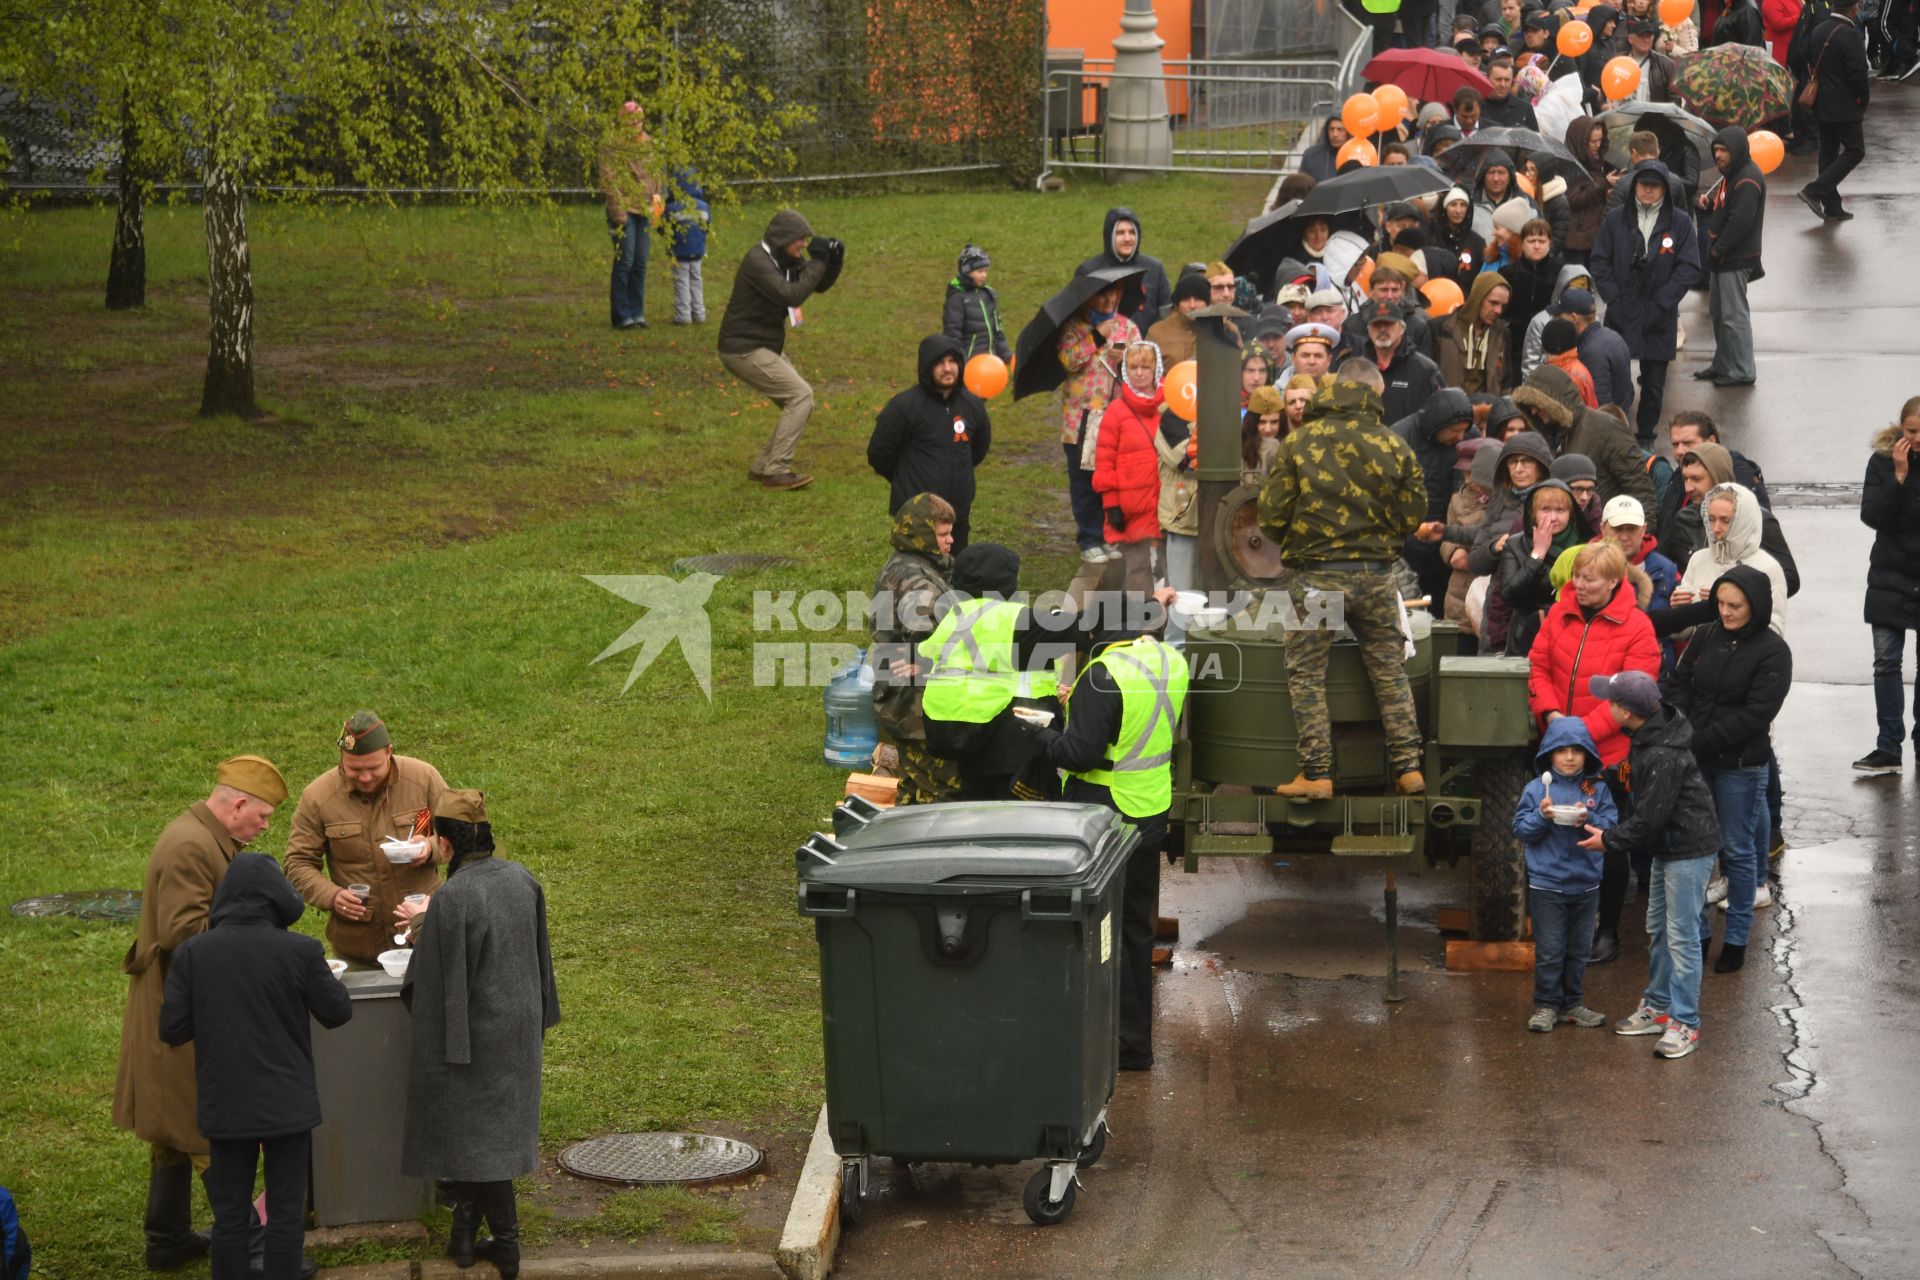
[1622, 511]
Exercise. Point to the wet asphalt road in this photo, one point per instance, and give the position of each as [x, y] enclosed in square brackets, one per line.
[1296, 1124]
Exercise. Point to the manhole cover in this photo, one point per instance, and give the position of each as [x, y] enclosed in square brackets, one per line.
[91, 904]
[660, 1157]
[726, 564]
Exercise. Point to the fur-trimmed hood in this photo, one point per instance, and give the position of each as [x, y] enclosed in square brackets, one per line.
[1550, 395]
[1883, 440]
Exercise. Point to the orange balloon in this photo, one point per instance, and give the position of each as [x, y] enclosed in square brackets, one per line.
[1675, 12]
[1391, 100]
[1355, 149]
[1768, 151]
[1574, 39]
[986, 375]
[1620, 77]
[1182, 386]
[1360, 114]
[1443, 297]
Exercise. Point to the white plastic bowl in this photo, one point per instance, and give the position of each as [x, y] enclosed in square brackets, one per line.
[337, 967]
[402, 852]
[395, 962]
[1569, 815]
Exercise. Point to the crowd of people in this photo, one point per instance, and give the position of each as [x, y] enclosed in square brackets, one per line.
[216, 1068]
[1500, 457]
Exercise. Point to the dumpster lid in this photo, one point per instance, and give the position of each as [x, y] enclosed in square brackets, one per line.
[986, 842]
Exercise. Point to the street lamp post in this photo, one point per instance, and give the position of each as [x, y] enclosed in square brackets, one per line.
[1138, 135]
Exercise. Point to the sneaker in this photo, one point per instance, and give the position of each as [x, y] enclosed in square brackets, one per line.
[1581, 1016]
[1093, 555]
[1109, 552]
[1644, 1021]
[1812, 202]
[785, 480]
[1877, 761]
[1678, 1041]
[1717, 890]
[1763, 896]
[1542, 1020]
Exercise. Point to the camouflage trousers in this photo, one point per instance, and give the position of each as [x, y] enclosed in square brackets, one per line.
[926, 778]
[1371, 611]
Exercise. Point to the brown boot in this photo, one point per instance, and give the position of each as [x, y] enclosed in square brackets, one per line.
[1308, 788]
[1410, 783]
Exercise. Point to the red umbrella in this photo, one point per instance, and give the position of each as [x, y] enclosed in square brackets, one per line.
[1431, 75]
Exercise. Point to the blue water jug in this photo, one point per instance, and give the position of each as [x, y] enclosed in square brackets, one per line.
[851, 733]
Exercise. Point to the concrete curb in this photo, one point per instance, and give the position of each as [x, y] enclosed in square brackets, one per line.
[813, 1219]
[711, 1265]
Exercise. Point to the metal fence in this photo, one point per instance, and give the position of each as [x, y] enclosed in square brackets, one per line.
[1291, 64]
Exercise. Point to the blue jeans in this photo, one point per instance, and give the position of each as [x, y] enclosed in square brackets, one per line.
[630, 271]
[1889, 690]
[1089, 517]
[1740, 798]
[1562, 941]
[1674, 900]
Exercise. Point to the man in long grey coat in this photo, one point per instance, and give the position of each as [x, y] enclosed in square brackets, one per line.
[480, 988]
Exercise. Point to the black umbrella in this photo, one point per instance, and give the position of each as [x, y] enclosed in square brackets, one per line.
[1266, 240]
[1036, 367]
[1376, 184]
[1464, 158]
[1672, 125]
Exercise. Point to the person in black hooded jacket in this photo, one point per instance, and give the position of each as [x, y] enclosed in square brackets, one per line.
[1731, 683]
[246, 993]
[930, 437]
[1434, 433]
[1144, 297]
[1890, 506]
[1736, 209]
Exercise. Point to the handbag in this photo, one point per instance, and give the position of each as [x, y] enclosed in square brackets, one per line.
[1812, 91]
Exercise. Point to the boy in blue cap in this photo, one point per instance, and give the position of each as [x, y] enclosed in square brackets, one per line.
[1563, 879]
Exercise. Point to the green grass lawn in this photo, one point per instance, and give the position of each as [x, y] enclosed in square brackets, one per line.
[455, 438]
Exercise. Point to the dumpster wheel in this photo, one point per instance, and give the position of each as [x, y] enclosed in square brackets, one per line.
[1034, 1200]
[852, 1191]
[1095, 1148]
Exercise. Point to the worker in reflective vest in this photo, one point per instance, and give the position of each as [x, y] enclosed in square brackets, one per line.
[989, 662]
[1117, 749]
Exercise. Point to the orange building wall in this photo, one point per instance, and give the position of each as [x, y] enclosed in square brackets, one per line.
[1091, 25]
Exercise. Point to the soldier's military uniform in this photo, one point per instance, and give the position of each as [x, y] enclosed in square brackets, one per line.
[1345, 492]
[912, 595]
[336, 838]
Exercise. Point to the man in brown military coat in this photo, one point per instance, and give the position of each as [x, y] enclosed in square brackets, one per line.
[338, 826]
[154, 1094]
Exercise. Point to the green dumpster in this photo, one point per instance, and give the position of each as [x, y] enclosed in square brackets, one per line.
[969, 985]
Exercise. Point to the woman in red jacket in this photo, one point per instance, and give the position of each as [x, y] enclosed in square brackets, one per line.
[1779, 17]
[1126, 467]
[1595, 628]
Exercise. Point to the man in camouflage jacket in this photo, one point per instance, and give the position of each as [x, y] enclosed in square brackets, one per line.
[1344, 493]
[910, 597]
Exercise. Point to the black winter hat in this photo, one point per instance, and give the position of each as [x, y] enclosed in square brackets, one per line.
[986, 568]
[1192, 285]
[1558, 336]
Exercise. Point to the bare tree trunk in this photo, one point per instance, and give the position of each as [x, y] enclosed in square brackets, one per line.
[127, 269]
[229, 384]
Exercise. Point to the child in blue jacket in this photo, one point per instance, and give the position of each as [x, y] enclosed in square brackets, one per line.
[972, 314]
[1563, 880]
[687, 216]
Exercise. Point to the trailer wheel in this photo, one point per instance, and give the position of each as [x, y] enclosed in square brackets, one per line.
[1498, 901]
[1045, 1212]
